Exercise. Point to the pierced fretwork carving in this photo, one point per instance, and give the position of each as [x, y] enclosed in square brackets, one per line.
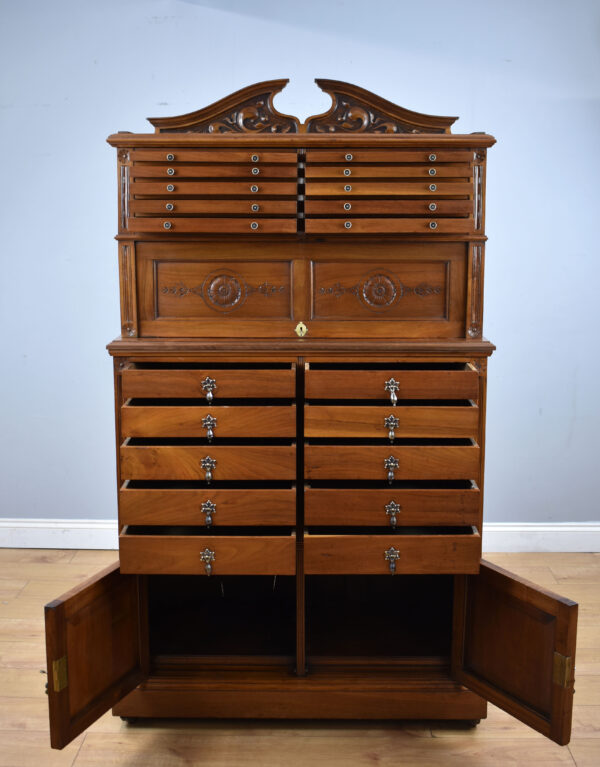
[249, 110]
[356, 110]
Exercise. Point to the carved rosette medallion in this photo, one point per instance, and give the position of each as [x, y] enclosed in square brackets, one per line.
[224, 291]
[380, 291]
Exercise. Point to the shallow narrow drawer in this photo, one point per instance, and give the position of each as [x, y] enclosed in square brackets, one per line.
[235, 188]
[180, 154]
[350, 172]
[456, 503]
[388, 225]
[411, 384]
[413, 554]
[387, 156]
[231, 462]
[182, 554]
[174, 171]
[195, 421]
[388, 207]
[213, 225]
[317, 188]
[167, 207]
[401, 421]
[190, 506]
[173, 382]
[413, 461]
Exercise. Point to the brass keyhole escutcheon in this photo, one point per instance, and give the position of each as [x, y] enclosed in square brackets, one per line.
[301, 329]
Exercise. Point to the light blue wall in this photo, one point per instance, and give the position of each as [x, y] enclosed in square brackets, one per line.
[74, 71]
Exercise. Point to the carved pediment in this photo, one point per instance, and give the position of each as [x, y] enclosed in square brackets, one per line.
[356, 110]
[249, 110]
[353, 110]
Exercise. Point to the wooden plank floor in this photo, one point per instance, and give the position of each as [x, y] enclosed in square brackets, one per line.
[31, 577]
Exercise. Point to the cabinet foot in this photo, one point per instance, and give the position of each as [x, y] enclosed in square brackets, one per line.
[130, 719]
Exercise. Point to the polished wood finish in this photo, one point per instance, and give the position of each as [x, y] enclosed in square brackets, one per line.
[499, 738]
[417, 554]
[414, 461]
[413, 384]
[93, 651]
[172, 462]
[180, 555]
[423, 506]
[515, 644]
[182, 506]
[185, 383]
[367, 421]
[325, 277]
[186, 421]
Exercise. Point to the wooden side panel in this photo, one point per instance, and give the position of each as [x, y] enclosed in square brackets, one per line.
[514, 644]
[232, 555]
[93, 645]
[414, 462]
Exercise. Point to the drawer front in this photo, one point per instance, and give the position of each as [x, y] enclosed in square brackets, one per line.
[175, 462]
[352, 225]
[166, 207]
[170, 171]
[213, 225]
[413, 462]
[411, 384]
[180, 506]
[234, 188]
[232, 555]
[428, 189]
[179, 154]
[374, 506]
[238, 384]
[366, 554]
[381, 422]
[387, 156]
[426, 170]
[193, 421]
[389, 207]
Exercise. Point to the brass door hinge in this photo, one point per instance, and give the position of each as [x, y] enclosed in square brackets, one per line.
[60, 678]
[562, 670]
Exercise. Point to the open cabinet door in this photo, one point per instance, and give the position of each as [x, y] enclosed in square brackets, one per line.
[514, 644]
[94, 650]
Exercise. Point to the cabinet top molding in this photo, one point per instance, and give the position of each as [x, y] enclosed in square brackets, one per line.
[353, 110]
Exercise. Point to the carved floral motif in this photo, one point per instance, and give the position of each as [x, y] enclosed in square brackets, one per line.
[222, 291]
[351, 117]
[380, 291]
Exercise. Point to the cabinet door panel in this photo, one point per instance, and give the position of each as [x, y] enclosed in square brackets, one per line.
[514, 644]
[93, 647]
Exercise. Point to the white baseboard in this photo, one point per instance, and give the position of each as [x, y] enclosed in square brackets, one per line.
[102, 534]
[59, 534]
[540, 536]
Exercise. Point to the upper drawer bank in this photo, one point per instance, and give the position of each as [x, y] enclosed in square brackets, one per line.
[210, 191]
[290, 288]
